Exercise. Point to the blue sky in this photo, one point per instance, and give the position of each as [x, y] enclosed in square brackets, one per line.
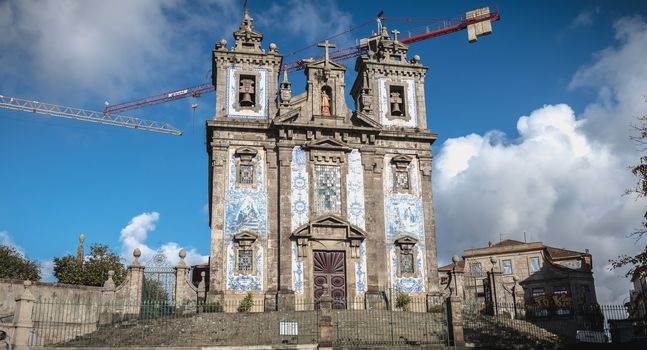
[575, 69]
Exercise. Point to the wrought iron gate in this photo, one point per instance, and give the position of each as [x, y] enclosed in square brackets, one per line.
[159, 279]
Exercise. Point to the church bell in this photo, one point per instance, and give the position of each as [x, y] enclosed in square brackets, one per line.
[246, 100]
[395, 109]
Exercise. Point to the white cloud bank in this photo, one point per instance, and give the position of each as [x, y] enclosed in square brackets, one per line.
[134, 235]
[562, 179]
[108, 48]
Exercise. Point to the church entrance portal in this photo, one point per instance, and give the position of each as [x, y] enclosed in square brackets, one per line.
[330, 268]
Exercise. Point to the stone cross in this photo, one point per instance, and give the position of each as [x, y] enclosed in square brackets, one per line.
[395, 34]
[326, 46]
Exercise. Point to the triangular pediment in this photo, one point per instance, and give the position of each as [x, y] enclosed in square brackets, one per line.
[311, 229]
[331, 64]
[406, 240]
[288, 117]
[328, 143]
[245, 236]
[329, 220]
[364, 120]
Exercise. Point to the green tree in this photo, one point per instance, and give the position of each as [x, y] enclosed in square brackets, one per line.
[14, 265]
[94, 269]
[637, 263]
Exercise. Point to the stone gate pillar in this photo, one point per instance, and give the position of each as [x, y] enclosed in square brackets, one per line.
[22, 323]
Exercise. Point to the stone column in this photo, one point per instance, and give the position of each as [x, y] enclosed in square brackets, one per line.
[184, 292]
[431, 257]
[519, 299]
[22, 323]
[274, 217]
[130, 292]
[376, 264]
[202, 288]
[218, 264]
[285, 297]
[107, 299]
[325, 319]
[455, 317]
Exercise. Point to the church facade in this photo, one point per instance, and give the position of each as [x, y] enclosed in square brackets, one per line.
[305, 191]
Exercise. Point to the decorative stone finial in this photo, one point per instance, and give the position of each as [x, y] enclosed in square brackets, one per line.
[456, 259]
[274, 48]
[515, 278]
[26, 294]
[222, 44]
[493, 260]
[136, 254]
[415, 59]
[182, 255]
[80, 251]
[109, 284]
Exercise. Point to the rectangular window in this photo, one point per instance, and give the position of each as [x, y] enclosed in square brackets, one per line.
[534, 264]
[537, 292]
[560, 290]
[327, 189]
[477, 270]
[396, 101]
[246, 174]
[245, 261]
[401, 180]
[406, 263]
[507, 267]
[247, 91]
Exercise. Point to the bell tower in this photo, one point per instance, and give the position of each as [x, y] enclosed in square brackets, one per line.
[389, 87]
[245, 76]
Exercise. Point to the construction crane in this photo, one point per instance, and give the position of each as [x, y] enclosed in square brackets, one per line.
[19, 104]
[477, 22]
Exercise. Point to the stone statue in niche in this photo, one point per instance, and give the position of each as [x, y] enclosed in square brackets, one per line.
[325, 103]
[396, 103]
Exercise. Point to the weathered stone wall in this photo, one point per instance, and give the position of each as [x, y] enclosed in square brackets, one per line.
[10, 289]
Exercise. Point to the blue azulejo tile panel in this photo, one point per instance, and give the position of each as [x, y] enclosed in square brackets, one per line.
[260, 112]
[241, 282]
[355, 190]
[246, 208]
[356, 212]
[411, 119]
[407, 284]
[297, 270]
[404, 216]
[300, 210]
[360, 270]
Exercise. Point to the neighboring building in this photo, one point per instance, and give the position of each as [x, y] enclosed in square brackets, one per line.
[555, 281]
[637, 305]
[305, 191]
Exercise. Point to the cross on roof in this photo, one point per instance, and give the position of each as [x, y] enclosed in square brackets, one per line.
[326, 46]
[395, 34]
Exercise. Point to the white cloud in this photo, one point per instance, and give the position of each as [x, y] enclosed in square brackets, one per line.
[306, 20]
[7, 240]
[135, 234]
[584, 19]
[107, 48]
[561, 180]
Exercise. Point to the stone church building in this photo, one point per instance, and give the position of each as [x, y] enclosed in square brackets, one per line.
[305, 190]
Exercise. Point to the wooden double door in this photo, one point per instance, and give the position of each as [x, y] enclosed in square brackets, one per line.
[330, 268]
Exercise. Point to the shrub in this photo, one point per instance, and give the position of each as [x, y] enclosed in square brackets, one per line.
[247, 303]
[402, 300]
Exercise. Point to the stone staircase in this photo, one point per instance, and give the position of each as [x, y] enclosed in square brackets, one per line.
[483, 331]
[207, 329]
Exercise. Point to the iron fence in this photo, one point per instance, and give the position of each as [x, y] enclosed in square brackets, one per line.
[390, 321]
[167, 324]
[509, 323]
